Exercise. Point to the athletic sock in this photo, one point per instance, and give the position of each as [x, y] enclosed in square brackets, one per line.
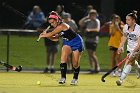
[125, 72]
[76, 72]
[63, 68]
[49, 67]
[137, 66]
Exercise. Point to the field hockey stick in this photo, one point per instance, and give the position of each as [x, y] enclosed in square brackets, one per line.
[10, 67]
[111, 70]
[43, 31]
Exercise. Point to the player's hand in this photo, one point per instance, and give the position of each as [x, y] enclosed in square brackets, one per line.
[120, 50]
[87, 30]
[42, 34]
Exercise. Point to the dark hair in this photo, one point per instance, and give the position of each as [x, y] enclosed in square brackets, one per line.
[133, 15]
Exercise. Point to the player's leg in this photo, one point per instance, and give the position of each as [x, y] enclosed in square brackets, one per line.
[66, 50]
[48, 54]
[126, 71]
[53, 57]
[137, 68]
[76, 66]
[112, 59]
[91, 60]
[70, 68]
[118, 58]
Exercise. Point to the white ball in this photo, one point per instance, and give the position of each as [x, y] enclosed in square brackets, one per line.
[38, 82]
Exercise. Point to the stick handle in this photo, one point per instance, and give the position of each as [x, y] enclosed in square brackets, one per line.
[43, 31]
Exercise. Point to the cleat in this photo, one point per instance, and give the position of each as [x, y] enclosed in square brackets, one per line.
[46, 70]
[52, 71]
[113, 74]
[62, 80]
[74, 82]
[119, 82]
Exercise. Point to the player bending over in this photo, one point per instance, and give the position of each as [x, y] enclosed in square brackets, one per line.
[72, 43]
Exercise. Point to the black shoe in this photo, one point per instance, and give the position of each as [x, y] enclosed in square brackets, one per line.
[94, 71]
[46, 70]
[52, 71]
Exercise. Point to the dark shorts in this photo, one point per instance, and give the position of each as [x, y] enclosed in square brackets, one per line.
[52, 48]
[91, 45]
[113, 48]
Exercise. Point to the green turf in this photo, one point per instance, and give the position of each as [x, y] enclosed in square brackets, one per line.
[88, 83]
[25, 51]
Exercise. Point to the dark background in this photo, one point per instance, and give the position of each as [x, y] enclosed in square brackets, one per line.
[9, 19]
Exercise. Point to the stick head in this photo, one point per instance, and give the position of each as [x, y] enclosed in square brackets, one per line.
[102, 79]
[19, 68]
[38, 39]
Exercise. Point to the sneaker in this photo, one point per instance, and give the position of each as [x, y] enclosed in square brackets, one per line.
[52, 70]
[138, 73]
[62, 80]
[119, 82]
[46, 70]
[113, 74]
[74, 82]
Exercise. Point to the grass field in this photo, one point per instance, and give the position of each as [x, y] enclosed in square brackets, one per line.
[14, 82]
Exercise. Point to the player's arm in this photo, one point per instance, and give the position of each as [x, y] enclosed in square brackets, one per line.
[57, 30]
[94, 29]
[121, 46]
[111, 29]
[82, 21]
[54, 38]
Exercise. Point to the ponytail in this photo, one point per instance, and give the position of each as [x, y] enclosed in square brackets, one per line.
[133, 15]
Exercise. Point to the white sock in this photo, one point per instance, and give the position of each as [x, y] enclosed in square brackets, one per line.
[49, 67]
[125, 72]
[52, 67]
[136, 65]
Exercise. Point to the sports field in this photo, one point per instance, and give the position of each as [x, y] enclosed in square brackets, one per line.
[13, 82]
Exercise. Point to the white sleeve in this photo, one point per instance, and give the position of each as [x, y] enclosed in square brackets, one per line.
[98, 24]
[139, 32]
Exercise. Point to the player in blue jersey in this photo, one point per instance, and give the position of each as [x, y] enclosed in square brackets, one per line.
[72, 43]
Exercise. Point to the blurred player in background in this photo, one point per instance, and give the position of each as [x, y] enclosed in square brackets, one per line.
[51, 49]
[72, 43]
[91, 26]
[132, 35]
[35, 18]
[115, 30]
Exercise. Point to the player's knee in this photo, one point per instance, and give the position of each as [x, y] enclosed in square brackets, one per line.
[75, 65]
